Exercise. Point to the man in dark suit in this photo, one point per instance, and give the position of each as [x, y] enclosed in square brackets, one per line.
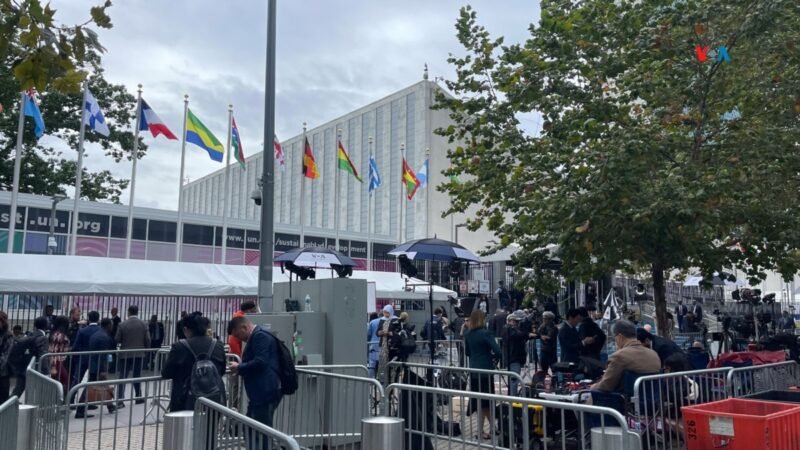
[36, 345]
[132, 334]
[588, 328]
[259, 370]
[81, 344]
[569, 338]
[100, 340]
[156, 331]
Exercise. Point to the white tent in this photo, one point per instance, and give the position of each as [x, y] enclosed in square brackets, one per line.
[46, 274]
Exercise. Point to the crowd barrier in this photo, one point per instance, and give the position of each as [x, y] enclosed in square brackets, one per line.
[656, 401]
[460, 378]
[9, 415]
[48, 396]
[122, 423]
[446, 351]
[327, 409]
[217, 427]
[355, 370]
[443, 418]
[744, 381]
[685, 340]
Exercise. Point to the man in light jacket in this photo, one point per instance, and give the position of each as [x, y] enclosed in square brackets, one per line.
[132, 334]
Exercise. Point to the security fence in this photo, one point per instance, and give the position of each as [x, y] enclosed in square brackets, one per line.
[456, 378]
[48, 429]
[9, 415]
[743, 381]
[217, 427]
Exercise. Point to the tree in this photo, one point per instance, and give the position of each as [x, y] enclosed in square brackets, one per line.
[43, 53]
[45, 170]
[649, 159]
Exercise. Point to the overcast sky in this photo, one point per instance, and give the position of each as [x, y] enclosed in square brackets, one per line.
[333, 56]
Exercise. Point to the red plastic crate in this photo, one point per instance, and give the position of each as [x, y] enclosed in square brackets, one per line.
[737, 424]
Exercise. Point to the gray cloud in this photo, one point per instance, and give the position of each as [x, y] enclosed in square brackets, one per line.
[332, 57]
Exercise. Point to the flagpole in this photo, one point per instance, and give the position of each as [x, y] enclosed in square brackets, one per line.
[133, 173]
[303, 190]
[226, 200]
[12, 213]
[336, 186]
[403, 196]
[369, 207]
[428, 192]
[79, 172]
[180, 180]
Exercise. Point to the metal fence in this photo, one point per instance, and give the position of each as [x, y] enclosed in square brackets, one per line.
[438, 418]
[744, 381]
[457, 378]
[656, 403]
[48, 396]
[9, 415]
[327, 409]
[217, 427]
[355, 370]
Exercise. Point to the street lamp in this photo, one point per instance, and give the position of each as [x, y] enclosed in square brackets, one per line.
[460, 225]
[51, 238]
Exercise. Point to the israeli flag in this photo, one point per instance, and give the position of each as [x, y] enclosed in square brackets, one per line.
[422, 175]
[374, 176]
[93, 117]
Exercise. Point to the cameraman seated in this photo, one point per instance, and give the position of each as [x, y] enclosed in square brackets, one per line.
[631, 356]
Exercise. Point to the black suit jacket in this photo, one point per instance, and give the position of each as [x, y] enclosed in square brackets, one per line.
[178, 367]
[570, 342]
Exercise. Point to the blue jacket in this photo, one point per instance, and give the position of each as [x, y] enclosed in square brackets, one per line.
[259, 368]
[81, 343]
[372, 335]
[570, 341]
[99, 341]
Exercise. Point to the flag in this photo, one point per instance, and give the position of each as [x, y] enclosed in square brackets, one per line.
[410, 180]
[236, 144]
[93, 117]
[422, 175]
[374, 176]
[149, 120]
[345, 163]
[199, 135]
[32, 111]
[309, 166]
[279, 158]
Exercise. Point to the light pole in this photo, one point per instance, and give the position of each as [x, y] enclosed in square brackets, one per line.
[460, 225]
[51, 238]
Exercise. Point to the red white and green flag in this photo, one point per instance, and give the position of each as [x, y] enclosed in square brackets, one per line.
[236, 144]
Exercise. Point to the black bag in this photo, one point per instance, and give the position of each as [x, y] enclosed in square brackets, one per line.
[453, 380]
[20, 355]
[286, 371]
[205, 380]
[408, 344]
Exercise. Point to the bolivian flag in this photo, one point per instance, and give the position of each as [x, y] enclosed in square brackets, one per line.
[410, 180]
[345, 163]
[309, 165]
[199, 135]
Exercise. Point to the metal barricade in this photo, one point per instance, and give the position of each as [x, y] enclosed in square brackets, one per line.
[657, 400]
[439, 418]
[459, 378]
[48, 396]
[327, 409]
[685, 340]
[9, 417]
[233, 384]
[129, 424]
[446, 351]
[355, 370]
[217, 427]
[744, 381]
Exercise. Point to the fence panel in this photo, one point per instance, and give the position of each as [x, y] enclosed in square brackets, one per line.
[755, 379]
[217, 427]
[48, 396]
[440, 418]
[9, 415]
[446, 352]
[354, 370]
[657, 402]
[458, 378]
[327, 409]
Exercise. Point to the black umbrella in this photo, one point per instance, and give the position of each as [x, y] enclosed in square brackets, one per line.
[432, 250]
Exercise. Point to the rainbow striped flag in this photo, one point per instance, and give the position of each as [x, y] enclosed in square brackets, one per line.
[410, 180]
[236, 144]
[345, 163]
[199, 135]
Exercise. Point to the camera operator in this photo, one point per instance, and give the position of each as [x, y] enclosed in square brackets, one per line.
[514, 347]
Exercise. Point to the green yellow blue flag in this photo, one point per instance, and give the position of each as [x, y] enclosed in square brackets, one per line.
[199, 135]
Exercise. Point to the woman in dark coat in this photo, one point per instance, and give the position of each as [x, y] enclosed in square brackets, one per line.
[482, 350]
[178, 366]
[6, 341]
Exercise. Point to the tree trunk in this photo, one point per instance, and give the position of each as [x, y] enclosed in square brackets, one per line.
[660, 299]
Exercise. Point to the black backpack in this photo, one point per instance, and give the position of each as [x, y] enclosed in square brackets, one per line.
[286, 370]
[204, 380]
[21, 354]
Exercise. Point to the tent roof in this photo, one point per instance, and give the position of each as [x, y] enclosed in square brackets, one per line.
[47, 274]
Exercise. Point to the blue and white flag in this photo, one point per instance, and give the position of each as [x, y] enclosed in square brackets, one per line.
[31, 109]
[422, 175]
[374, 176]
[94, 117]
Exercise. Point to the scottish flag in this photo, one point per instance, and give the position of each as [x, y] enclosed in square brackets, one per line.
[374, 176]
[93, 117]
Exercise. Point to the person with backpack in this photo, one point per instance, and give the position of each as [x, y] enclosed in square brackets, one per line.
[195, 365]
[264, 369]
[31, 346]
[6, 342]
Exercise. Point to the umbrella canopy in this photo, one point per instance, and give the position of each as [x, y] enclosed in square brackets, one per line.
[434, 250]
[319, 257]
[611, 304]
[716, 280]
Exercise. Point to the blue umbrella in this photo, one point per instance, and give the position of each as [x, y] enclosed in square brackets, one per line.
[434, 250]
